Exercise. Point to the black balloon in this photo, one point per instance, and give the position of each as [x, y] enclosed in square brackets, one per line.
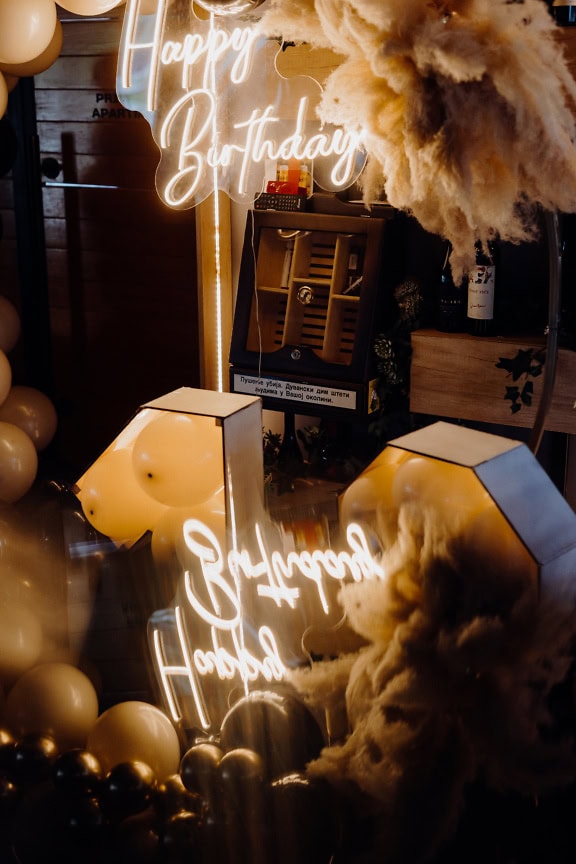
[34, 756]
[304, 820]
[173, 797]
[276, 725]
[199, 769]
[128, 788]
[77, 772]
[181, 837]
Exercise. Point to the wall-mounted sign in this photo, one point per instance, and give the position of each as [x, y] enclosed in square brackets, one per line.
[219, 111]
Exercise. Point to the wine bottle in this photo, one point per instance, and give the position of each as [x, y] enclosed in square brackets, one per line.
[564, 13]
[451, 304]
[481, 284]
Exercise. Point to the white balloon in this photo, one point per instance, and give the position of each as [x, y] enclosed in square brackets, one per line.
[18, 463]
[33, 412]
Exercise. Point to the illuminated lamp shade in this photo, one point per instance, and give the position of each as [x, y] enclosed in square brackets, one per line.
[189, 450]
[40, 63]
[509, 515]
[26, 29]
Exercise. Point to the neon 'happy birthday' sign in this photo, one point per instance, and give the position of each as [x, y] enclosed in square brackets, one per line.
[219, 110]
[238, 619]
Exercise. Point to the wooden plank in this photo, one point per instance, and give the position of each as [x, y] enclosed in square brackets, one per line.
[161, 240]
[85, 103]
[98, 136]
[455, 376]
[135, 205]
[76, 73]
[90, 36]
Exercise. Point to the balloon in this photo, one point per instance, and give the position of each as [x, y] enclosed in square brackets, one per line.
[33, 412]
[11, 82]
[9, 317]
[54, 699]
[135, 731]
[178, 459]
[26, 29]
[112, 500]
[18, 463]
[277, 726]
[20, 640]
[89, 7]
[128, 788]
[168, 535]
[40, 63]
[453, 490]
[3, 95]
[5, 376]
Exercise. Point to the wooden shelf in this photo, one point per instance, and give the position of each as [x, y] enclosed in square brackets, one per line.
[455, 375]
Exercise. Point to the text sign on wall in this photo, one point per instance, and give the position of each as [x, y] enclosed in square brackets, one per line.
[295, 391]
[218, 108]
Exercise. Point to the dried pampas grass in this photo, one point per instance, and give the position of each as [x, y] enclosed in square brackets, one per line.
[466, 108]
[452, 687]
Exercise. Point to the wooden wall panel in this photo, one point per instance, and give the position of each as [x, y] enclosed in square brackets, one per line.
[122, 282]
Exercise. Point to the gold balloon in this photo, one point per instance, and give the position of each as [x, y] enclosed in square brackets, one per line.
[5, 376]
[453, 490]
[33, 412]
[18, 463]
[26, 29]
[113, 502]
[178, 459]
[9, 321]
[54, 699]
[40, 63]
[136, 731]
[168, 536]
[89, 7]
[3, 95]
[20, 639]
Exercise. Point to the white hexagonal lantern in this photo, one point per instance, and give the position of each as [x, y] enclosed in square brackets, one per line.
[188, 454]
[492, 490]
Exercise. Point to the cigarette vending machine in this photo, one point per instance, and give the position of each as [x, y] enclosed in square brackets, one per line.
[314, 289]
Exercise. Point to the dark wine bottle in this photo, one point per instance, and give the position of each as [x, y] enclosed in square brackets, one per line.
[564, 13]
[481, 284]
[451, 302]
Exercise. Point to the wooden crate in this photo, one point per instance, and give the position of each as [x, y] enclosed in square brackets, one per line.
[455, 375]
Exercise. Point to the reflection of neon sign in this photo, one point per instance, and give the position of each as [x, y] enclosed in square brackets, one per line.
[207, 96]
[214, 605]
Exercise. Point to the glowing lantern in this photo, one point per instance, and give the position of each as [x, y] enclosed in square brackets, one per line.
[486, 486]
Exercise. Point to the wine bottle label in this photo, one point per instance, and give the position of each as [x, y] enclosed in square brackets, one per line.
[481, 292]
